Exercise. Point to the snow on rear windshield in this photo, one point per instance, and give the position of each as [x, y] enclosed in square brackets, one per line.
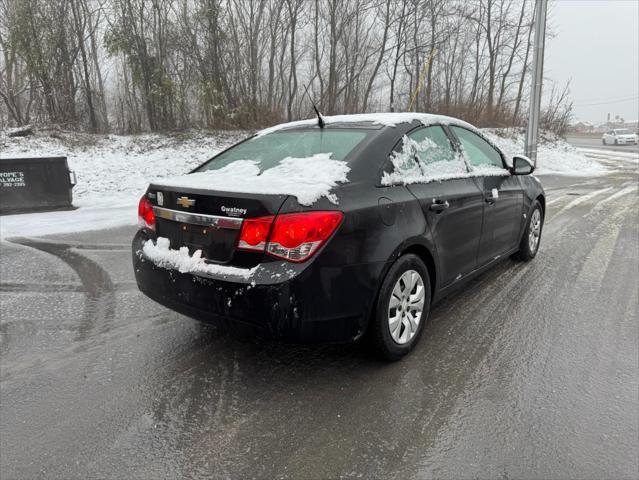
[268, 151]
[307, 164]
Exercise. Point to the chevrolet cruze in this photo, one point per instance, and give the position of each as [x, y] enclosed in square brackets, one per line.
[325, 230]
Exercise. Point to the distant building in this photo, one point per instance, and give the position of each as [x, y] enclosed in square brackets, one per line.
[587, 127]
[582, 127]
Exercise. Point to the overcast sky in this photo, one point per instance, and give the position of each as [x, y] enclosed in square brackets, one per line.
[596, 44]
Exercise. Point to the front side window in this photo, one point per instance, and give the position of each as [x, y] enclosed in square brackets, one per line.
[478, 151]
[269, 150]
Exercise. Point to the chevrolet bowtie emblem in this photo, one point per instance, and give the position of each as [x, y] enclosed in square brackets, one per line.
[185, 202]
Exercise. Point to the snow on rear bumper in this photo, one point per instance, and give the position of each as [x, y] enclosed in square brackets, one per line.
[305, 305]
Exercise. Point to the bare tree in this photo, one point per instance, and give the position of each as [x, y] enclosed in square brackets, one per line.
[165, 64]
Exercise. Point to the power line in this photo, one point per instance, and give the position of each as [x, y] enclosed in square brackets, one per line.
[607, 103]
[615, 97]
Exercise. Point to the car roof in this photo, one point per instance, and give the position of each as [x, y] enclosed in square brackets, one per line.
[371, 120]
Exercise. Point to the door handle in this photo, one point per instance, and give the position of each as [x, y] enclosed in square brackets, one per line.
[439, 205]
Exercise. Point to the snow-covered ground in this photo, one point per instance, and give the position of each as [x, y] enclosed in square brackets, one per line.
[112, 173]
[114, 170]
[554, 154]
[630, 157]
[117, 168]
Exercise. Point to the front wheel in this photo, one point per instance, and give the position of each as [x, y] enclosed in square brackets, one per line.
[402, 307]
[603, 141]
[532, 235]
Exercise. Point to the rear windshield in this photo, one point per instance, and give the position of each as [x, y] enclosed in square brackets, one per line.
[269, 150]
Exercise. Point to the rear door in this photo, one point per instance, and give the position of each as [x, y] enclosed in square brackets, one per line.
[453, 207]
[503, 195]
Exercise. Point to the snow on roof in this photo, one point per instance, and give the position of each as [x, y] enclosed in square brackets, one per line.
[308, 179]
[391, 119]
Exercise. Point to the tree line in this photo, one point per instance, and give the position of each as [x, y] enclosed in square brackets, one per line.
[140, 65]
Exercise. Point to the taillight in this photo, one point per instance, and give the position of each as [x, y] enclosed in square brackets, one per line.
[146, 217]
[255, 233]
[292, 236]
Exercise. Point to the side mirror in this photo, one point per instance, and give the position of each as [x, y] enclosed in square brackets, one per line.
[522, 165]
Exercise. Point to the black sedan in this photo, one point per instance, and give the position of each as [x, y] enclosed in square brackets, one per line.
[326, 231]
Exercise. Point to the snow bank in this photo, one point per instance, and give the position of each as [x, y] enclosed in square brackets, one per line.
[308, 179]
[163, 256]
[113, 171]
[118, 168]
[554, 154]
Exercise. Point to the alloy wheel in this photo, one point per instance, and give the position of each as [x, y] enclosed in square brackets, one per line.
[534, 231]
[406, 307]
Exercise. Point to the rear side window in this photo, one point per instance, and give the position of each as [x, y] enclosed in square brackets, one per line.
[425, 155]
[269, 150]
[478, 151]
[437, 145]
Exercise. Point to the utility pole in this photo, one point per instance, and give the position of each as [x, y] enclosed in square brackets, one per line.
[532, 131]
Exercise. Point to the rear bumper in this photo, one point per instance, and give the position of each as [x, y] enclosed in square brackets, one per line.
[318, 304]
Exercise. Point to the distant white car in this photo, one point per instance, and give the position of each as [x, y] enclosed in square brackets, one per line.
[619, 136]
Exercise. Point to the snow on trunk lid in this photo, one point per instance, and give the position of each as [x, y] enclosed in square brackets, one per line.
[308, 179]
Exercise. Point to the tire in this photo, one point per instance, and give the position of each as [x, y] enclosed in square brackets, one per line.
[616, 142]
[603, 141]
[527, 247]
[394, 343]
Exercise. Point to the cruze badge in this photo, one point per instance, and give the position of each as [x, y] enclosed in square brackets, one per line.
[185, 202]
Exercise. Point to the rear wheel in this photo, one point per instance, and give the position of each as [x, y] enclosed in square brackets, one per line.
[603, 141]
[402, 307]
[532, 235]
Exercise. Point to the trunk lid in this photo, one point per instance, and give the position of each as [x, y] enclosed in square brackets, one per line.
[209, 220]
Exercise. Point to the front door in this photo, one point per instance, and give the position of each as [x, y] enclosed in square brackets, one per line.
[503, 196]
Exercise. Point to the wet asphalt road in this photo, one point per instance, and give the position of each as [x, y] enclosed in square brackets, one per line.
[531, 372]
